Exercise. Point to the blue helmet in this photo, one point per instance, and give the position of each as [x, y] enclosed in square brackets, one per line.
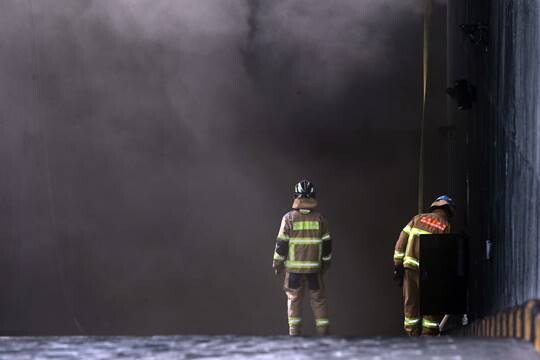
[444, 202]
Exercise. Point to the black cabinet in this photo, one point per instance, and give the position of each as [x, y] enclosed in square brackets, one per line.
[443, 274]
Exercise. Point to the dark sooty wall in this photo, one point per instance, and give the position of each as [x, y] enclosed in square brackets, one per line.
[149, 148]
[504, 149]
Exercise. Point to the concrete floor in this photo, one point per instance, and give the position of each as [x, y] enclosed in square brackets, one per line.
[236, 348]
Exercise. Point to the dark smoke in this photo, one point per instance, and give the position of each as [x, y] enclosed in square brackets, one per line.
[149, 150]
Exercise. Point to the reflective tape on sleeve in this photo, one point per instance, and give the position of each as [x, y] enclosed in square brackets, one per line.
[407, 229]
[326, 237]
[327, 258]
[409, 260]
[398, 255]
[278, 257]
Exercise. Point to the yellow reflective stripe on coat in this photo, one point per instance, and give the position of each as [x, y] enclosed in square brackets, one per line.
[303, 264]
[409, 260]
[278, 257]
[411, 321]
[293, 242]
[430, 324]
[305, 225]
[327, 258]
[417, 231]
[407, 229]
[305, 241]
[398, 255]
[326, 237]
[283, 237]
[322, 322]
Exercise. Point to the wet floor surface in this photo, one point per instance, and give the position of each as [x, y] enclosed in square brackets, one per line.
[283, 348]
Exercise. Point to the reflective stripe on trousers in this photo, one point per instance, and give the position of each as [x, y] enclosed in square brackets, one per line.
[411, 321]
[294, 320]
[430, 324]
[322, 322]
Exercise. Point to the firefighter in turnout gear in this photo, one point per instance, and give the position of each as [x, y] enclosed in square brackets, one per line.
[304, 250]
[407, 263]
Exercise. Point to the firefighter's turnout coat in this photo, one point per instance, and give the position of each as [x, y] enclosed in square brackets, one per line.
[303, 243]
[407, 253]
[407, 249]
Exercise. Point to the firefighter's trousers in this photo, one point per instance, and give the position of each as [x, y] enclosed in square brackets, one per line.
[416, 324]
[295, 287]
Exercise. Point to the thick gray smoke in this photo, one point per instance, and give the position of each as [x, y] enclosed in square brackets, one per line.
[150, 148]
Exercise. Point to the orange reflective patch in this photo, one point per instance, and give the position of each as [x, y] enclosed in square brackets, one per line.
[430, 221]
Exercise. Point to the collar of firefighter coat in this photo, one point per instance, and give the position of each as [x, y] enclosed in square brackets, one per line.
[441, 213]
[304, 203]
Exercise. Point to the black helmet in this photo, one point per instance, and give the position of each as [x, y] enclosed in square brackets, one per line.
[444, 202]
[305, 189]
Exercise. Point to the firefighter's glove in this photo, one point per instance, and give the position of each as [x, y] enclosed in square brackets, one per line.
[325, 266]
[399, 273]
[278, 267]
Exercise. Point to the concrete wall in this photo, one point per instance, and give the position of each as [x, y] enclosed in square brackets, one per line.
[498, 148]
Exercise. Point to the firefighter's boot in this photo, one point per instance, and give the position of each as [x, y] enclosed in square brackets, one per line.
[430, 325]
[295, 330]
[323, 330]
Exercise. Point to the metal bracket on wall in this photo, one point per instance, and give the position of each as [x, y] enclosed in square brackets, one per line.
[478, 34]
[489, 247]
[448, 130]
[463, 92]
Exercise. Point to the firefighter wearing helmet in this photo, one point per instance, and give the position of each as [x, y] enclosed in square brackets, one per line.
[407, 263]
[304, 251]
